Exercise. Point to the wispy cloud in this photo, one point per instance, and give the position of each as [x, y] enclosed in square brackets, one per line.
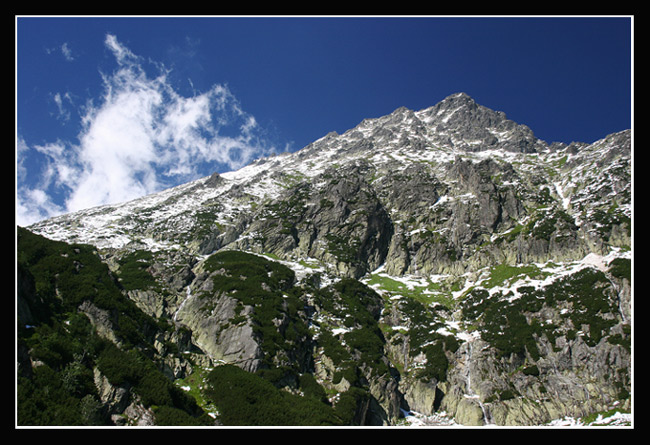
[64, 114]
[67, 52]
[141, 137]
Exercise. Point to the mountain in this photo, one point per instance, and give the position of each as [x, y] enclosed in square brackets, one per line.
[441, 266]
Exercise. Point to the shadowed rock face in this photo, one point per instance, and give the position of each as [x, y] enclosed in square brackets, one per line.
[343, 223]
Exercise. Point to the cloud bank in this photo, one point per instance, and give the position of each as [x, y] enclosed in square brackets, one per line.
[141, 138]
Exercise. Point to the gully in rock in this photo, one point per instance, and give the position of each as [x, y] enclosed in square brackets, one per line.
[487, 419]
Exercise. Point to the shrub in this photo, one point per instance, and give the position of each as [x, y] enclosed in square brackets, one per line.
[43, 400]
[133, 271]
[246, 399]
[531, 370]
[347, 407]
[621, 268]
[437, 362]
[359, 306]
[311, 388]
[170, 416]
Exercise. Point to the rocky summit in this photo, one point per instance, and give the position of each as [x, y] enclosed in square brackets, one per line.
[432, 267]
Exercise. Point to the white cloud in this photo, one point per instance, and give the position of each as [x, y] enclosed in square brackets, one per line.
[59, 101]
[34, 206]
[142, 137]
[120, 52]
[67, 52]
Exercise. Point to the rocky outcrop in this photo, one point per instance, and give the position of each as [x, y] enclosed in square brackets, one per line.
[555, 375]
[218, 327]
[386, 400]
[420, 396]
[121, 404]
[341, 223]
[102, 319]
[115, 399]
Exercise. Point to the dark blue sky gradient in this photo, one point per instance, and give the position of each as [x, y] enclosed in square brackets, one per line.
[567, 78]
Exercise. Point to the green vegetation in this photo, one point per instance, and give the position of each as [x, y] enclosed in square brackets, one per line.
[65, 276]
[56, 278]
[624, 339]
[326, 203]
[244, 398]
[513, 326]
[606, 220]
[193, 384]
[290, 180]
[593, 418]
[360, 307]
[621, 268]
[345, 250]
[544, 222]
[590, 292]
[134, 369]
[428, 293]
[204, 222]
[254, 268]
[133, 273]
[424, 321]
[269, 288]
[503, 272]
[288, 212]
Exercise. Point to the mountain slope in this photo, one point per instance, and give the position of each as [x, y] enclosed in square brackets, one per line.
[436, 261]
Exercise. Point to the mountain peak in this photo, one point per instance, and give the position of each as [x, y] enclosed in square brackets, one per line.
[456, 123]
[455, 101]
[461, 96]
[468, 126]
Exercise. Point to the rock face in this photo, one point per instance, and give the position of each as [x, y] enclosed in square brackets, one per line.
[435, 261]
[342, 224]
[214, 334]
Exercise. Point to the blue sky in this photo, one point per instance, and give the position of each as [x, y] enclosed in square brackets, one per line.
[112, 108]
